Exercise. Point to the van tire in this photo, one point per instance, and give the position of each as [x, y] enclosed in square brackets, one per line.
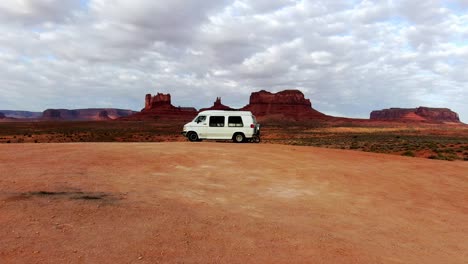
[256, 139]
[238, 137]
[192, 136]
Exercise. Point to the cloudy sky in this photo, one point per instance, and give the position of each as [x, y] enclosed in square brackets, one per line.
[349, 57]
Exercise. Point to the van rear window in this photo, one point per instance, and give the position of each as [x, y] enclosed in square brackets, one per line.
[235, 121]
[216, 121]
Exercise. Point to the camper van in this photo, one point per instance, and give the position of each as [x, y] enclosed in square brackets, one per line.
[239, 126]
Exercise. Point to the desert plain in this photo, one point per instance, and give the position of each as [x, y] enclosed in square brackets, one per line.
[220, 202]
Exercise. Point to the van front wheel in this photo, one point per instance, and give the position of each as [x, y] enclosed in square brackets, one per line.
[239, 138]
[192, 136]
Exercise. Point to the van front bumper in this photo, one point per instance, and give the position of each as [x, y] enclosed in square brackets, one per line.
[184, 133]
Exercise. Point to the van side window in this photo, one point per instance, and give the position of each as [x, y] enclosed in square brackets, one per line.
[235, 121]
[216, 121]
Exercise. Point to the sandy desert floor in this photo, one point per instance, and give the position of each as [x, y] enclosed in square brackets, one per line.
[215, 202]
[423, 140]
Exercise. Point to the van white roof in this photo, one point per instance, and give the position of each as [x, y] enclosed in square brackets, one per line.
[223, 112]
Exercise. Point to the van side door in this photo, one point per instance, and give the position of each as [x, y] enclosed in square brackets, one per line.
[216, 127]
[200, 125]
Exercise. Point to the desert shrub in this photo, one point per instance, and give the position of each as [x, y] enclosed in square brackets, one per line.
[408, 153]
[354, 146]
[451, 151]
[432, 145]
[440, 156]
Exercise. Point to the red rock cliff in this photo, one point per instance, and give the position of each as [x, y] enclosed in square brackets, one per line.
[416, 114]
[284, 104]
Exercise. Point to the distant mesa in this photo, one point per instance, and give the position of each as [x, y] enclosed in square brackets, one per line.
[90, 114]
[5, 118]
[56, 114]
[103, 116]
[21, 114]
[217, 105]
[289, 104]
[421, 114]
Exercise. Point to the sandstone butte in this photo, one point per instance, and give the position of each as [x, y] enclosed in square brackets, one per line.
[160, 107]
[217, 105]
[85, 114]
[288, 104]
[420, 114]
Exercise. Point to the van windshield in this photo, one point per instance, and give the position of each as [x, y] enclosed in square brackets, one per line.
[199, 119]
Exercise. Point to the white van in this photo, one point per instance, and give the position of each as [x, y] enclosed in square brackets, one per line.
[239, 126]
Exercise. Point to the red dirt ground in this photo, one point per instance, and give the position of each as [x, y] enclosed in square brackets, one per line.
[227, 203]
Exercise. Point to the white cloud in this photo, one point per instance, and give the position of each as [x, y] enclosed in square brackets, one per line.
[423, 12]
[349, 57]
[32, 12]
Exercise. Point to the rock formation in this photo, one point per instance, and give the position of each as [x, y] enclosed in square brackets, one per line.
[5, 118]
[217, 105]
[21, 114]
[85, 114]
[159, 101]
[160, 107]
[424, 114]
[103, 115]
[289, 104]
[56, 114]
[285, 105]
